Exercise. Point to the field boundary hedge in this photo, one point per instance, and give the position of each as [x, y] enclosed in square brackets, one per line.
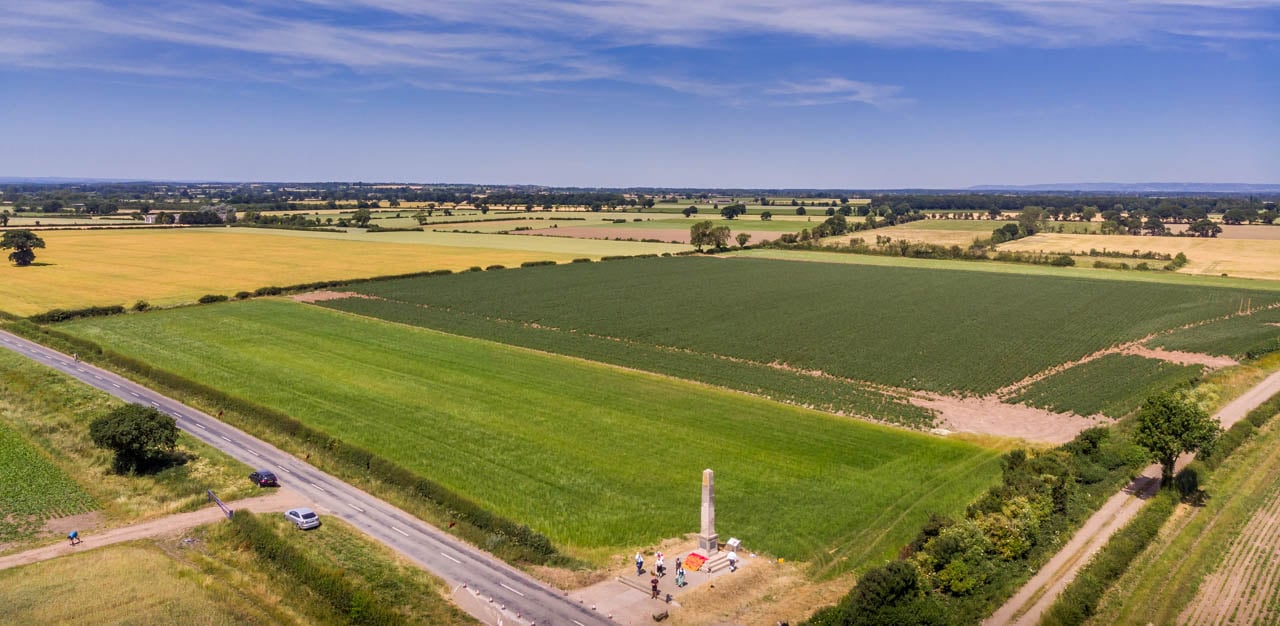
[356, 605]
[1081, 598]
[537, 548]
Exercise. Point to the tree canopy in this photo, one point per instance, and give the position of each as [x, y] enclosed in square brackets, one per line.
[23, 243]
[1169, 425]
[141, 436]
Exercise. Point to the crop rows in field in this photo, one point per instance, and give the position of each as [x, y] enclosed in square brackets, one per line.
[971, 332]
[1235, 337]
[1113, 385]
[593, 457]
[1245, 586]
[32, 489]
[824, 393]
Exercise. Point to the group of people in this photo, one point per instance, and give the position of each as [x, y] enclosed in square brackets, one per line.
[660, 570]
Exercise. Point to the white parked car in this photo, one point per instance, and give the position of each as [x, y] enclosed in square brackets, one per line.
[303, 518]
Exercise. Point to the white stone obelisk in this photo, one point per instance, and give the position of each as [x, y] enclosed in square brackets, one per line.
[707, 539]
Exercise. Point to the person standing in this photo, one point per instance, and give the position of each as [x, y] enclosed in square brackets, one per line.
[679, 576]
[733, 561]
[654, 583]
[639, 564]
[660, 565]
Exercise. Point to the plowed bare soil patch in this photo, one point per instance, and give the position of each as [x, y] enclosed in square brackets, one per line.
[1243, 589]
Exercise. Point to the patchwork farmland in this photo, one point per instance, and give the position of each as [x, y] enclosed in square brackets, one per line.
[884, 329]
[165, 267]
[594, 457]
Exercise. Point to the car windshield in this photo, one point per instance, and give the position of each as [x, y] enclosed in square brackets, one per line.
[267, 475]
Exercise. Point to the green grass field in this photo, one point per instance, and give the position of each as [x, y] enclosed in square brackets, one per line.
[595, 457]
[913, 328]
[1114, 385]
[1234, 337]
[32, 488]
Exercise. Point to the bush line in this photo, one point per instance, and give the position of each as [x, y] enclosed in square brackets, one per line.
[537, 547]
[330, 583]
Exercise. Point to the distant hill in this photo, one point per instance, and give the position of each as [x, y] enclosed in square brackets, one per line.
[1139, 187]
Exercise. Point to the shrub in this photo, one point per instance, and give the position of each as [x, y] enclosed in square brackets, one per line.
[62, 315]
[243, 295]
[495, 267]
[475, 268]
[583, 260]
[441, 272]
[1063, 261]
[268, 291]
[141, 437]
[211, 298]
[140, 306]
[536, 263]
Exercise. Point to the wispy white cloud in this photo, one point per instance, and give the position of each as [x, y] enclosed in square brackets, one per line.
[504, 46]
[835, 91]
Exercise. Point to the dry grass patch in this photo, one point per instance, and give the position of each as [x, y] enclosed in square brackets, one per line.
[80, 268]
[1248, 258]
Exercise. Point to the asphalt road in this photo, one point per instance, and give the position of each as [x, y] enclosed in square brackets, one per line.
[512, 592]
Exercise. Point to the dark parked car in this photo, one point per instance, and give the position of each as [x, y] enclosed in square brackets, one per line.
[264, 478]
[303, 518]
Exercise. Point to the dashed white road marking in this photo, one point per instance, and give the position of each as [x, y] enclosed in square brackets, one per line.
[286, 470]
[317, 486]
[576, 622]
[224, 437]
[355, 507]
[115, 385]
[201, 426]
[400, 531]
[252, 452]
[450, 558]
[511, 590]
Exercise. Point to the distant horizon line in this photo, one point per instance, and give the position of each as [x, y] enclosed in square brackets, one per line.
[1099, 186]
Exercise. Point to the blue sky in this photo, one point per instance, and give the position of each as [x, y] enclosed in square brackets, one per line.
[806, 93]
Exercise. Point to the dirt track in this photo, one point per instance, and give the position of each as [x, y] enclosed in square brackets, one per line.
[281, 500]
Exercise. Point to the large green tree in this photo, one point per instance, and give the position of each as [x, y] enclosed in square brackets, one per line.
[23, 243]
[141, 436]
[1169, 425]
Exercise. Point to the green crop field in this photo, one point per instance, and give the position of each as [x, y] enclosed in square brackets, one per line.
[595, 457]
[824, 393]
[1114, 385]
[32, 488]
[1234, 337]
[971, 332]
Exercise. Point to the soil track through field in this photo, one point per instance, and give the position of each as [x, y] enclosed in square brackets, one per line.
[283, 499]
[1137, 348]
